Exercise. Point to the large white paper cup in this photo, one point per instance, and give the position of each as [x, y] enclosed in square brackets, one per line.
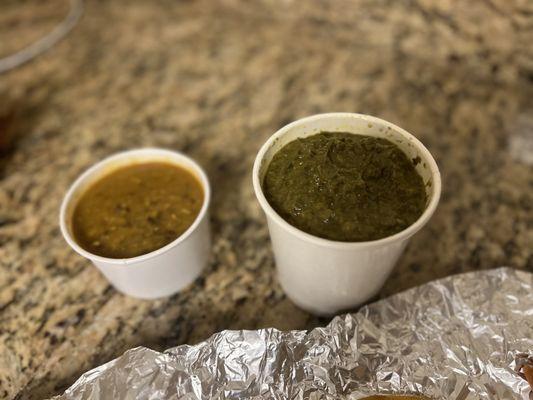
[325, 276]
[161, 272]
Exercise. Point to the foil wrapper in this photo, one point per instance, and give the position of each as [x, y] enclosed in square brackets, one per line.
[464, 336]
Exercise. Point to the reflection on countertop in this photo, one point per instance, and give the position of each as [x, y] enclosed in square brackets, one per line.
[215, 80]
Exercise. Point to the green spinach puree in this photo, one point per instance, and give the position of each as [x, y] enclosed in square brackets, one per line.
[345, 187]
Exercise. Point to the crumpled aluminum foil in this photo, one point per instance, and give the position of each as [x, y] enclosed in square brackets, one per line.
[455, 338]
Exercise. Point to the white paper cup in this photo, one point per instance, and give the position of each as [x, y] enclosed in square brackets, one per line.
[161, 272]
[325, 276]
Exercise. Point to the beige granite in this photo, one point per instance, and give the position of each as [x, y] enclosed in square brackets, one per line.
[215, 79]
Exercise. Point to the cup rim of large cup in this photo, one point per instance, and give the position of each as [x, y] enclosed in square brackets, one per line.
[97, 169]
[307, 237]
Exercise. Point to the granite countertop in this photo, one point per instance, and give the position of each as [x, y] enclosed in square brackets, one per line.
[215, 80]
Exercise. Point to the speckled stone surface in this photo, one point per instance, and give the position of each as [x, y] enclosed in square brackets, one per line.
[215, 79]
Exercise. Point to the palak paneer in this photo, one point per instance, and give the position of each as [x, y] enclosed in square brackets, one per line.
[345, 187]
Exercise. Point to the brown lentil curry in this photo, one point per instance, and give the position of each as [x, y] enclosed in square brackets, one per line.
[345, 187]
[136, 209]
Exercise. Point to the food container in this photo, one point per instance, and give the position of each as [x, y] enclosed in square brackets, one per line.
[161, 272]
[325, 276]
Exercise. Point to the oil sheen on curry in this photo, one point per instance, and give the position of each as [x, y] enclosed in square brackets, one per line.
[345, 187]
[136, 209]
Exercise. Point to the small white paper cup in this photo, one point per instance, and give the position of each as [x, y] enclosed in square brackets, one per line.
[161, 272]
[324, 276]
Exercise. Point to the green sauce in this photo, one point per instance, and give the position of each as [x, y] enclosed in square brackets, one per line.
[345, 187]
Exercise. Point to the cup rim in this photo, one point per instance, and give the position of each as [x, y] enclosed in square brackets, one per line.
[404, 234]
[96, 168]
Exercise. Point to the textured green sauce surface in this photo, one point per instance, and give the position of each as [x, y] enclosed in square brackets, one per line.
[345, 187]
